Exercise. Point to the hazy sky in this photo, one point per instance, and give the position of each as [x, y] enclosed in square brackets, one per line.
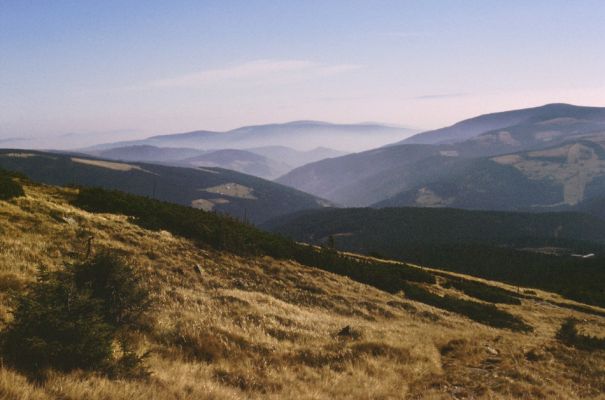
[149, 67]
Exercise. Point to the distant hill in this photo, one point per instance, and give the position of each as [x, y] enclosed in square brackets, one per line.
[240, 195]
[559, 177]
[243, 161]
[265, 162]
[551, 114]
[594, 206]
[146, 153]
[362, 178]
[471, 173]
[296, 158]
[300, 135]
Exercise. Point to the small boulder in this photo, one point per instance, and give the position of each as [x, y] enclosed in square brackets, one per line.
[69, 220]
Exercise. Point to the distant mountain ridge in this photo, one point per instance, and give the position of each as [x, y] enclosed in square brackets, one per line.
[148, 153]
[469, 172]
[284, 146]
[473, 127]
[265, 162]
[300, 135]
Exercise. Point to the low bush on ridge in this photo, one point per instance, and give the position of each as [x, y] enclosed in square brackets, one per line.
[74, 318]
[484, 292]
[9, 187]
[225, 233]
[569, 335]
[487, 314]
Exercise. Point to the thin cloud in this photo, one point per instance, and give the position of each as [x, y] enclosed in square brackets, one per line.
[255, 71]
[440, 96]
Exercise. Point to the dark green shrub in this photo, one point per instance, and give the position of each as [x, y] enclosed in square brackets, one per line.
[225, 233]
[485, 292]
[72, 318]
[579, 307]
[487, 314]
[57, 326]
[120, 291]
[9, 188]
[568, 334]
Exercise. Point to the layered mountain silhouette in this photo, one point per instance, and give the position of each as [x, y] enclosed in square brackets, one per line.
[299, 135]
[265, 162]
[543, 158]
[283, 146]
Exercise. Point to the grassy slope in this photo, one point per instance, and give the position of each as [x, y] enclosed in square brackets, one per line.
[260, 328]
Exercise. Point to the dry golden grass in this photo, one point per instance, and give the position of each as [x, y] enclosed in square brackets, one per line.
[262, 328]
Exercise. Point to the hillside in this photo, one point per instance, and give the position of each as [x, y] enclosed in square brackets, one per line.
[537, 250]
[440, 225]
[556, 115]
[362, 178]
[242, 196]
[559, 177]
[253, 326]
[469, 173]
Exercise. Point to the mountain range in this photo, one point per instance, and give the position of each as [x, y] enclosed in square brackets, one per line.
[299, 135]
[267, 151]
[543, 158]
[265, 162]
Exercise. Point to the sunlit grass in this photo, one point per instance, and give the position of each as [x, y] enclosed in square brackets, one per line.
[260, 328]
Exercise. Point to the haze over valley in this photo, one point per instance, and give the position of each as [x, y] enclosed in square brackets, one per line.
[302, 200]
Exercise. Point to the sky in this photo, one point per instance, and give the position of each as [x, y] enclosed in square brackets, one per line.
[138, 68]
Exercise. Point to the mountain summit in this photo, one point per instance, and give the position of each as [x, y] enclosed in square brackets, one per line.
[472, 127]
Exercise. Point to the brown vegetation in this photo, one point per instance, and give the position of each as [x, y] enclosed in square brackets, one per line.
[261, 328]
